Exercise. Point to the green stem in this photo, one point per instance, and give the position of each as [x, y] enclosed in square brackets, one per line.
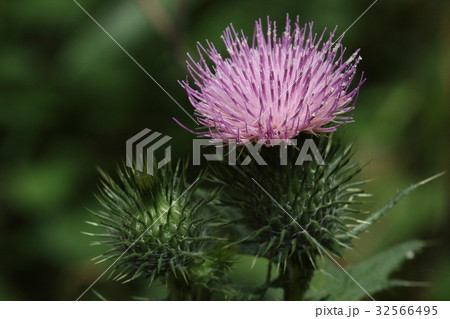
[295, 279]
[179, 290]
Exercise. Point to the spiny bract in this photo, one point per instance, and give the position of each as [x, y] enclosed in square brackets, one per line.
[155, 222]
[318, 201]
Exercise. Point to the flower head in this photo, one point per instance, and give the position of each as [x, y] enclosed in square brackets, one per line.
[275, 88]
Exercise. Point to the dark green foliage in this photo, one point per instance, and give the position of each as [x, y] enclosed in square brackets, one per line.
[331, 283]
[156, 226]
[165, 227]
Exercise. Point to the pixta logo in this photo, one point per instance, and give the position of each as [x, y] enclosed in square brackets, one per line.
[143, 146]
[307, 149]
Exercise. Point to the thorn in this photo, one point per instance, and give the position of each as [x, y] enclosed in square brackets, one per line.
[429, 179]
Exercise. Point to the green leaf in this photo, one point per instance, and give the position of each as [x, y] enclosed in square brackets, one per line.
[383, 210]
[332, 283]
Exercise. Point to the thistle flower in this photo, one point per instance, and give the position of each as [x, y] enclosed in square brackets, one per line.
[275, 88]
[320, 198]
[154, 226]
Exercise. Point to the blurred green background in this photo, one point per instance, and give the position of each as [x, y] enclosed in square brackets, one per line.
[70, 98]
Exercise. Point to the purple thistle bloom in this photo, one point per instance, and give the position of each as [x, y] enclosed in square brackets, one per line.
[275, 89]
